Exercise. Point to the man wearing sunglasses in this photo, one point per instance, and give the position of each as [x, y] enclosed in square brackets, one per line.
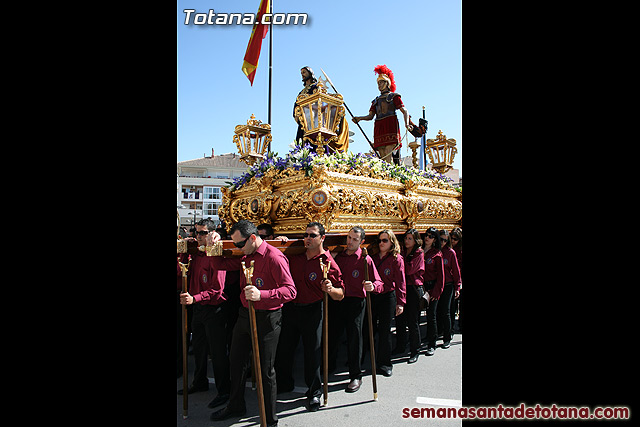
[271, 286]
[303, 316]
[208, 324]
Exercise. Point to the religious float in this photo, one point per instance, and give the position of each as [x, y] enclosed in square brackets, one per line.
[339, 190]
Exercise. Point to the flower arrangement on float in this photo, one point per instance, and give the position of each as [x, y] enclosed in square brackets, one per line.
[303, 158]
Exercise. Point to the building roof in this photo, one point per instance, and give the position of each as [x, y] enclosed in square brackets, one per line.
[229, 160]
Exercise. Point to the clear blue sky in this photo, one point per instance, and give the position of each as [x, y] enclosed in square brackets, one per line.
[420, 40]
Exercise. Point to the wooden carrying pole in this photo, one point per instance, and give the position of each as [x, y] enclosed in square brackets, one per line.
[185, 373]
[325, 334]
[372, 346]
[248, 274]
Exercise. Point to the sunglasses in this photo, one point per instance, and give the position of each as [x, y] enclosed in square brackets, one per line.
[202, 232]
[454, 238]
[383, 240]
[430, 236]
[312, 235]
[242, 243]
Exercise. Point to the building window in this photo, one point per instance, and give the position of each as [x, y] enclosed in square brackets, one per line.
[210, 209]
[212, 193]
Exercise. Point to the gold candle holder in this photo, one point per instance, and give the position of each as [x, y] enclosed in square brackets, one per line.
[248, 271]
[325, 267]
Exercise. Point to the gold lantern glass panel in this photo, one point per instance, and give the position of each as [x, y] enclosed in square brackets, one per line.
[441, 152]
[319, 114]
[252, 140]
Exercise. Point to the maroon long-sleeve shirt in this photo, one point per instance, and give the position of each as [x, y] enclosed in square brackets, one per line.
[352, 268]
[307, 275]
[392, 272]
[434, 270]
[414, 269]
[206, 284]
[270, 275]
[451, 268]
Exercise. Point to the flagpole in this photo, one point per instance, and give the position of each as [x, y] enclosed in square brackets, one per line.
[270, 62]
[423, 155]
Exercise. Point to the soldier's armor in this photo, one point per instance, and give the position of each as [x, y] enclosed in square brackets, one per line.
[384, 105]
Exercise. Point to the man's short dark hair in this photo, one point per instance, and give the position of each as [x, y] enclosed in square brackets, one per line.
[208, 223]
[360, 230]
[317, 224]
[267, 228]
[245, 227]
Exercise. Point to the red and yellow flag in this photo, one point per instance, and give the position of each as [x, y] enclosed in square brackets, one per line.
[258, 33]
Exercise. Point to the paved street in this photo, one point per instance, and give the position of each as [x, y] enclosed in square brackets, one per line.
[411, 386]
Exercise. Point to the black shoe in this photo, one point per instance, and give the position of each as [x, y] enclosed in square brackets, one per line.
[313, 404]
[446, 344]
[194, 389]
[384, 371]
[354, 385]
[220, 399]
[413, 358]
[225, 413]
[430, 351]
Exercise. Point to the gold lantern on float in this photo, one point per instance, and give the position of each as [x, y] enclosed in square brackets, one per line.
[252, 140]
[319, 114]
[441, 152]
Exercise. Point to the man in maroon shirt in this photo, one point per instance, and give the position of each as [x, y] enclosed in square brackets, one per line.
[303, 315]
[349, 313]
[271, 286]
[208, 325]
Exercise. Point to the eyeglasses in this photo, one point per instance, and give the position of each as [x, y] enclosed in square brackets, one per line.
[383, 240]
[312, 235]
[202, 232]
[242, 243]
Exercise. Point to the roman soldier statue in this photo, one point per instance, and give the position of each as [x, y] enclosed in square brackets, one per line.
[386, 130]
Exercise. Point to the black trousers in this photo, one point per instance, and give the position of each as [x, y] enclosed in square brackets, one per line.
[300, 321]
[383, 308]
[209, 332]
[410, 319]
[438, 317]
[268, 326]
[347, 314]
[444, 311]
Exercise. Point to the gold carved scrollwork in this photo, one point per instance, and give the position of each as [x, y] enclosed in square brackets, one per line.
[289, 200]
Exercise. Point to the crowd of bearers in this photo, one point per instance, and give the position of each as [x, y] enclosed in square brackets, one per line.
[288, 291]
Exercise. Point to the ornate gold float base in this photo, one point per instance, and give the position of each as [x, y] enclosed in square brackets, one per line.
[290, 200]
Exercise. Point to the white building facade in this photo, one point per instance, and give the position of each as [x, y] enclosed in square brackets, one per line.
[199, 183]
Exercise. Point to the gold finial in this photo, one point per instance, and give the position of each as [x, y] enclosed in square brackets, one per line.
[325, 267]
[184, 267]
[248, 272]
